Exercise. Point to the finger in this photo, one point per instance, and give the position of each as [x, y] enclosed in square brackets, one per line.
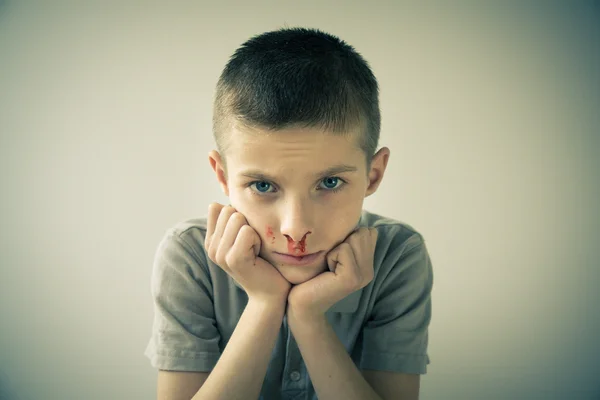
[246, 246]
[342, 259]
[351, 267]
[224, 216]
[374, 236]
[213, 213]
[234, 224]
[359, 239]
[215, 241]
[364, 249]
[332, 258]
[365, 255]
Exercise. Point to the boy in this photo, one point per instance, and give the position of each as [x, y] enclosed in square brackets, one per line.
[293, 290]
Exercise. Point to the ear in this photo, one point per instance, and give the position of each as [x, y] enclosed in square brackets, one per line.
[378, 165]
[217, 164]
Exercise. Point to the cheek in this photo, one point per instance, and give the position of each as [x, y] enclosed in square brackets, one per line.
[343, 217]
[269, 233]
[349, 202]
[260, 221]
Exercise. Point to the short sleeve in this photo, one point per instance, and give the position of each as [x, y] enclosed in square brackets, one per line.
[395, 337]
[184, 332]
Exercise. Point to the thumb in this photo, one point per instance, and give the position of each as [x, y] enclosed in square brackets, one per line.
[342, 256]
[332, 258]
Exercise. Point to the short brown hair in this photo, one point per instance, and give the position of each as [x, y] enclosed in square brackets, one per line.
[298, 78]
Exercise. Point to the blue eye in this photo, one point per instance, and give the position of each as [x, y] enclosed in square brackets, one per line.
[262, 187]
[331, 183]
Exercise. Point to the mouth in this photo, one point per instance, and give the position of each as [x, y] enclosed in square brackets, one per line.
[297, 260]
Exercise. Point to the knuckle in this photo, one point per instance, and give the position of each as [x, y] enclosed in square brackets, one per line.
[373, 233]
[212, 254]
[228, 209]
[235, 259]
[231, 259]
[225, 213]
[221, 256]
[365, 232]
[246, 228]
[238, 218]
[345, 247]
[214, 206]
[245, 234]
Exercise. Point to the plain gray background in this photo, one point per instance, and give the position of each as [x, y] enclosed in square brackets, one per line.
[492, 117]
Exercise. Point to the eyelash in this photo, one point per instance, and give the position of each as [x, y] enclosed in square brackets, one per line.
[336, 190]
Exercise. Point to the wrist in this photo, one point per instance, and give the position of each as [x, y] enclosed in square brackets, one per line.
[273, 303]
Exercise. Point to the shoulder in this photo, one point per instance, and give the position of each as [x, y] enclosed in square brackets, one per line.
[191, 227]
[394, 236]
[188, 233]
[182, 247]
[401, 256]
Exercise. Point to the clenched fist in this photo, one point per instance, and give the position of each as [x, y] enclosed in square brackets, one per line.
[234, 246]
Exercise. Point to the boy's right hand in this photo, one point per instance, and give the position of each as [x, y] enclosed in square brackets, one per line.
[234, 246]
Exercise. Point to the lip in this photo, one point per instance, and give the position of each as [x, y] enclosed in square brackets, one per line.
[294, 260]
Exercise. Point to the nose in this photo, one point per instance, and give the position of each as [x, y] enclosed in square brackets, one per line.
[296, 223]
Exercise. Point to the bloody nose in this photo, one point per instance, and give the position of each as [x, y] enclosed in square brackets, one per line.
[297, 248]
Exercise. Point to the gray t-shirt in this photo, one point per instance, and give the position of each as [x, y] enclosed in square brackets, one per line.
[383, 326]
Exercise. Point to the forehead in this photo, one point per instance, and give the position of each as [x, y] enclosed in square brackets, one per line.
[307, 150]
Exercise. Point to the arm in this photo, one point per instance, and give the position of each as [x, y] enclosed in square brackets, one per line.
[178, 385]
[394, 340]
[332, 371]
[241, 369]
[394, 385]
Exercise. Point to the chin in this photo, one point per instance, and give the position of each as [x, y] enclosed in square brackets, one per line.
[297, 275]
[298, 280]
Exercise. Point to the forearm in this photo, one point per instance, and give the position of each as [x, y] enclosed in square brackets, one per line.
[332, 372]
[241, 369]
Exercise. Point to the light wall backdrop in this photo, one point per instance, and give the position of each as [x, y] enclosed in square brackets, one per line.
[492, 114]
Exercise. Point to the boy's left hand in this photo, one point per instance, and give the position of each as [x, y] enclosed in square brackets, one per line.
[350, 269]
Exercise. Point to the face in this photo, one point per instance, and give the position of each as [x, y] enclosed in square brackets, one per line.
[302, 191]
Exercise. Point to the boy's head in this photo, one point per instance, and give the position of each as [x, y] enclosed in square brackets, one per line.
[296, 121]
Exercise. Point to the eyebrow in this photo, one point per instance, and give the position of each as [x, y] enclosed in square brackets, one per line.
[334, 170]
